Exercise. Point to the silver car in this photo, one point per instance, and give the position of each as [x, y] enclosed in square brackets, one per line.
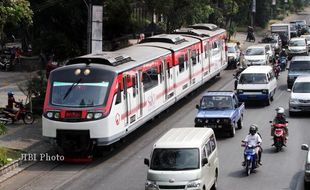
[300, 95]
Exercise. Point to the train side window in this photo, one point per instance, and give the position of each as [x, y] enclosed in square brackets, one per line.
[118, 95]
[206, 51]
[181, 63]
[134, 86]
[150, 78]
[194, 54]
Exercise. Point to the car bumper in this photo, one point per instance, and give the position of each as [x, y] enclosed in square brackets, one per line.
[299, 107]
[251, 97]
[292, 54]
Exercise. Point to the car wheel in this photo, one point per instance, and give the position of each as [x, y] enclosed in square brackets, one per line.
[306, 184]
[232, 131]
[240, 123]
[267, 103]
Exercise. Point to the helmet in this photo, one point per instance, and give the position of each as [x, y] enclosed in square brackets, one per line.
[10, 93]
[283, 49]
[280, 111]
[253, 129]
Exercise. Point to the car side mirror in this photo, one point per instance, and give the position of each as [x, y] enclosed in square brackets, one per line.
[204, 161]
[197, 106]
[286, 121]
[270, 121]
[146, 161]
[305, 147]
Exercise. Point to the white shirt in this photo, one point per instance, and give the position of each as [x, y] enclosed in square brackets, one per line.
[253, 139]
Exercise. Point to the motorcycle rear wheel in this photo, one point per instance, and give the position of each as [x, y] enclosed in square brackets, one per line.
[248, 167]
[28, 118]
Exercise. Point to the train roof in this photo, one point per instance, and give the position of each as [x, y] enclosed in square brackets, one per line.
[123, 59]
[208, 29]
[172, 42]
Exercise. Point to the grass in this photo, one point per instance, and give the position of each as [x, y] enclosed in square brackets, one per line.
[8, 155]
[3, 129]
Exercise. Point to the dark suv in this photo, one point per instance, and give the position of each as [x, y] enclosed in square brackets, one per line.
[300, 65]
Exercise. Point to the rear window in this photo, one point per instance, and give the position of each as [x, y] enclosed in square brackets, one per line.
[297, 43]
[254, 51]
[300, 66]
[253, 78]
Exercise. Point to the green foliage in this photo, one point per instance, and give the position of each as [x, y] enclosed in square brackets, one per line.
[3, 157]
[3, 129]
[8, 155]
[14, 12]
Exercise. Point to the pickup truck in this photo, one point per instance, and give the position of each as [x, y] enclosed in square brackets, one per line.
[221, 111]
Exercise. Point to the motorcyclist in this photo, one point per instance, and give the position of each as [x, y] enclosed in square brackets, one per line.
[283, 53]
[250, 35]
[10, 106]
[280, 119]
[254, 139]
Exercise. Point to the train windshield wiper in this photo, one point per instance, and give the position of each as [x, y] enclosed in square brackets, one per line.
[71, 88]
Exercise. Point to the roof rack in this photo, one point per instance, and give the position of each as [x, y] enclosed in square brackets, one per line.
[104, 58]
[205, 26]
[172, 39]
[190, 31]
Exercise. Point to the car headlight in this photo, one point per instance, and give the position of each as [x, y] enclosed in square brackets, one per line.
[151, 185]
[98, 115]
[207, 121]
[194, 184]
[293, 101]
[265, 91]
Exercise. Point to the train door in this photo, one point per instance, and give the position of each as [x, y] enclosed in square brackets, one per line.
[167, 79]
[182, 73]
[132, 97]
[190, 66]
[206, 60]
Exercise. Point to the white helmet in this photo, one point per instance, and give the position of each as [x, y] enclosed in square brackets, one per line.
[280, 110]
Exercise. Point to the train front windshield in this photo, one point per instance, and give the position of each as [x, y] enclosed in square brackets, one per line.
[71, 90]
[69, 94]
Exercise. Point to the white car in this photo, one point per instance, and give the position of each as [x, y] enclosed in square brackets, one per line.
[297, 46]
[307, 36]
[233, 54]
[307, 166]
[300, 95]
[255, 55]
[269, 50]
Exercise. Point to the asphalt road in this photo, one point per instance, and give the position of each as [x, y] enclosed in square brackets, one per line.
[123, 168]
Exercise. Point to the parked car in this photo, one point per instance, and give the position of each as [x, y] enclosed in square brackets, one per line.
[269, 50]
[307, 166]
[255, 55]
[297, 46]
[233, 53]
[307, 36]
[299, 65]
[300, 95]
[274, 40]
[221, 111]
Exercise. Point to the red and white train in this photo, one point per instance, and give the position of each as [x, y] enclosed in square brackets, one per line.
[97, 99]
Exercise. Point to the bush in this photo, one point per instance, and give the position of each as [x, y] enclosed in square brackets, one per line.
[3, 157]
[3, 129]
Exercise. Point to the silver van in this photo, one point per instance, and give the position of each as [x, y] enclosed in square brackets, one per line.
[183, 158]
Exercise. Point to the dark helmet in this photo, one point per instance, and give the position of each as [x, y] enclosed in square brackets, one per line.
[253, 129]
[10, 93]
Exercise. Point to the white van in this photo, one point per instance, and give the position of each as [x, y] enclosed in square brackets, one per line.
[257, 83]
[184, 158]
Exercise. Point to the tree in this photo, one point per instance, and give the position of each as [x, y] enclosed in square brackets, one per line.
[14, 12]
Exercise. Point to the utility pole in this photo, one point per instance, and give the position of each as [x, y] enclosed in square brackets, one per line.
[89, 5]
[253, 10]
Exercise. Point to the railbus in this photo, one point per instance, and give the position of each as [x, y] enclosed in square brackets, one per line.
[97, 99]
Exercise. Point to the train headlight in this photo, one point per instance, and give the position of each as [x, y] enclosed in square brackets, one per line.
[97, 115]
[56, 115]
[50, 114]
[90, 116]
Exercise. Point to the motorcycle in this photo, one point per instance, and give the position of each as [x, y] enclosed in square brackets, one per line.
[7, 116]
[5, 63]
[250, 158]
[279, 135]
[282, 61]
[277, 70]
[250, 37]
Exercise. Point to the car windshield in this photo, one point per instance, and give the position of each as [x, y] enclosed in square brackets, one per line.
[269, 40]
[297, 43]
[79, 94]
[216, 102]
[300, 66]
[175, 159]
[254, 51]
[231, 50]
[253, 78]
[301, 87]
